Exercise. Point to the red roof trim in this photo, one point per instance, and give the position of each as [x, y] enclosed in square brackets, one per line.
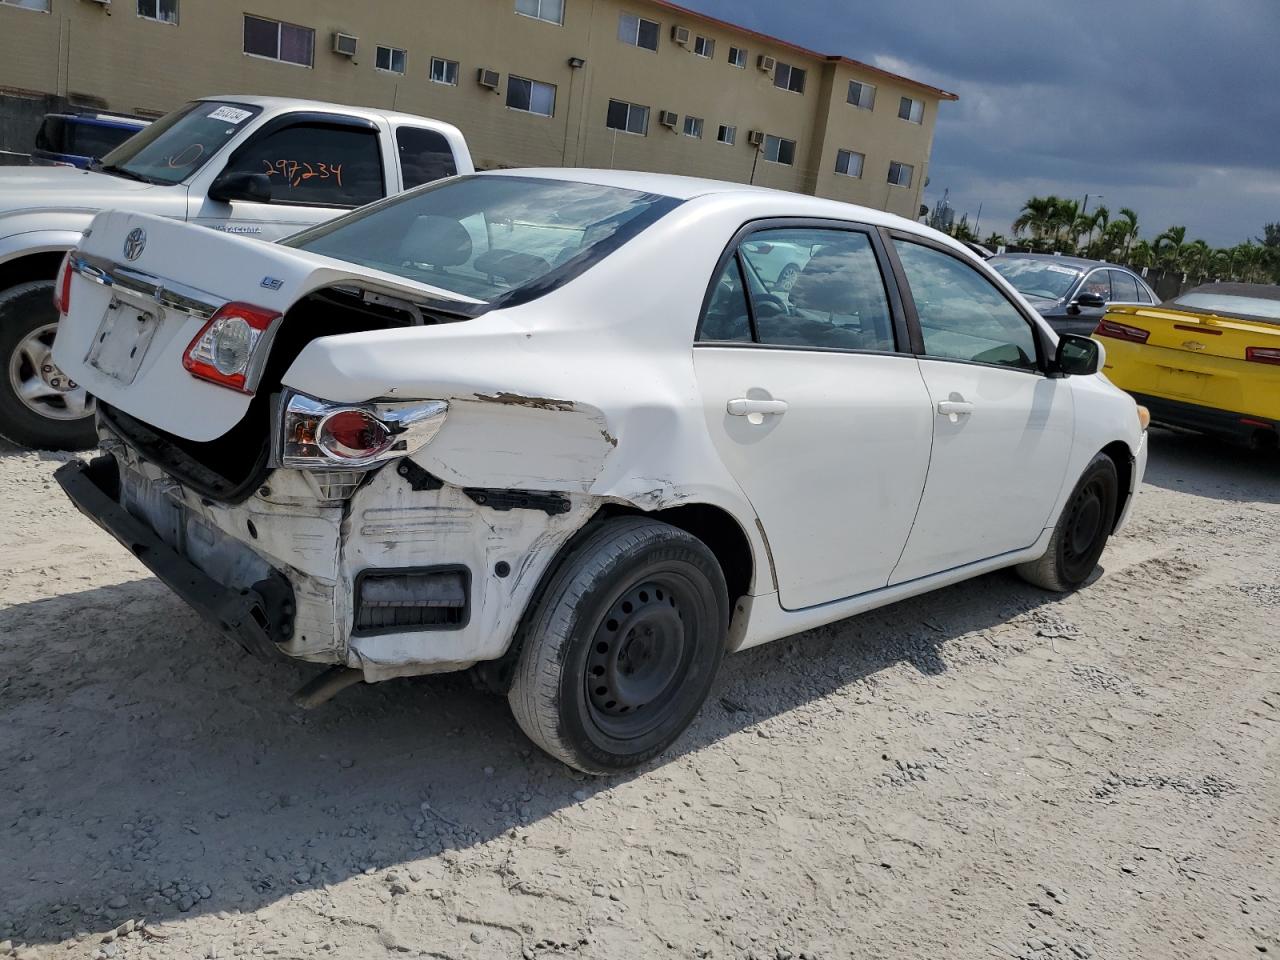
[829, 58]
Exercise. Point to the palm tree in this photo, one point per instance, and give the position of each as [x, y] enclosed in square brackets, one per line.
[995, 241]
[1127, 228]
[1087, 223]
[1142, 254]
[1168, 245]
[1193, 258]
[1036, 216]
[1064, 218]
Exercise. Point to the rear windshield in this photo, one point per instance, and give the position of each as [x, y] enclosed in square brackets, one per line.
[1222, 303]
[490, 237]
[1036, 278]
[180, 143]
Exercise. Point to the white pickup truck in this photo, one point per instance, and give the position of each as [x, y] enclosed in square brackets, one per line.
[262, 167]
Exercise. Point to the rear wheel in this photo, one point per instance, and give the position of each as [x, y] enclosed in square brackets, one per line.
[620, 650]
[39, 407]
[1082, 531]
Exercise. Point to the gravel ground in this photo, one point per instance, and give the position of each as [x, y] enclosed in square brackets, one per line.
[985, 772]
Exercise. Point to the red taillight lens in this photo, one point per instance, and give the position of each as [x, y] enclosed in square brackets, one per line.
[1118, 331]
[225, 349]
[353, 435]
[62, 290]
[1263, 354]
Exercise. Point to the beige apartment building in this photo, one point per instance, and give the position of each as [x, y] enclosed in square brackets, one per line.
[634, 84]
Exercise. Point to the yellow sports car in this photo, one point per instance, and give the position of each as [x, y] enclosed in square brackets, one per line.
[1207, 360]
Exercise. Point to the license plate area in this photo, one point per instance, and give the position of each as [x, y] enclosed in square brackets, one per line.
[1182, 383]
[122, 340]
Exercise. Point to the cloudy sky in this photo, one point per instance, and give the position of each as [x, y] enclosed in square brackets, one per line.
[1171, 107]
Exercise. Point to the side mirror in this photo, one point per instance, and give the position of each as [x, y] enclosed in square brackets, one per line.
[1091, 301]
[1077, 356]
[255, 187]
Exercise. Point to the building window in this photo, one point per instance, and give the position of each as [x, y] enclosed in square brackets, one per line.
[552, 11]
[693, 127]
[444, 71]
[279, 41]
[849, 163]
[166, 11]
[531, 96]
[778, 150]
[638, 31]
[727, 135]
[738, 56]
[627, 117]
[391, 59]
[41, 5]
[912, 110]
[787, 77]
[704, 47]
[900, 173]
[862, 95]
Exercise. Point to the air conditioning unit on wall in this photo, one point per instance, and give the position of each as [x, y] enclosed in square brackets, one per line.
[668, 118]
[756, 138]
[488, 78]
[345, 45]
[680, 35]
[766, 63]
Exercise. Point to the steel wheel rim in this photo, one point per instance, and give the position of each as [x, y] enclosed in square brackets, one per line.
[1083, 529]
[30, 370]
[639, 654]
[787, 279]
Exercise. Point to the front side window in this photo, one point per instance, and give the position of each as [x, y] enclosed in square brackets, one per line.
[487, 237]
[693, 127]
[390, 59]
[900, 173]
[531, 96]
[444, 71]
[166, 11]
[911, 110]
[179, 144]
[849, 163]
[316, 164]
[727, 134]
[962, 315]
[425, 155]
[787, 77]
[738, 56]
[627, 117]
[1097, 283]
[704, 47]
[274, 40]
[779, 150]
[820, 288]
[638, 31]
[862, 95]
[41, 5]
[552, 11]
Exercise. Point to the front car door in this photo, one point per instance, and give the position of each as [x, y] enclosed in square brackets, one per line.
[816, 406]
[1002, 428]
[314, 167]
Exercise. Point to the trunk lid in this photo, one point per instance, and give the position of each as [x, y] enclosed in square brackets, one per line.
[143, 289]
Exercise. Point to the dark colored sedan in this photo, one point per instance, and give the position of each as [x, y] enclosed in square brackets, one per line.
[80, 139]
[1070, 292]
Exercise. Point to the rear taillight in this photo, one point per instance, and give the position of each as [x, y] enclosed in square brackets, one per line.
[230, 349]
[1118, 331]
[319, 435]
[62, 289]
[1263, 354]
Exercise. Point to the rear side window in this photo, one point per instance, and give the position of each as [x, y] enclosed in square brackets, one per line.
[52, 135]
[316, 164]
[1124, 288]
[962, 315]
[425, 155]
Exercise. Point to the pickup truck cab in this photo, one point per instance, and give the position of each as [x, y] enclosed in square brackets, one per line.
[262, 167]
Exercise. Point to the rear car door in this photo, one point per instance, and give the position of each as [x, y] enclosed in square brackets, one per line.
[816, 406]
[1002, 429]
[313, 167]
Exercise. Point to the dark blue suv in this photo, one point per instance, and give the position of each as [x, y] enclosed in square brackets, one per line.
[79, 139]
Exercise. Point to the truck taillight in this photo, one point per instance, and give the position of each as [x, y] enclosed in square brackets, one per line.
[231, 348]
[1119, 331]
[1263, 354]
[62, 289]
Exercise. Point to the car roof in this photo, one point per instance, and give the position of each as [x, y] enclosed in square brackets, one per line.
[1080, 262]
[101, 119]
[273, 104]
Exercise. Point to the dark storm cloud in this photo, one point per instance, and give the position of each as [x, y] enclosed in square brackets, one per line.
[1171, 107]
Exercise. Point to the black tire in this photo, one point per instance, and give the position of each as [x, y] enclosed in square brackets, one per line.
[1082, 531]
[27, 312]
[620, 648]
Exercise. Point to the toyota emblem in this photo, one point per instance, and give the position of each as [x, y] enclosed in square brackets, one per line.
[135, 243]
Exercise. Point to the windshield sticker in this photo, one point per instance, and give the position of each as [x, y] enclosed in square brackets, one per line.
[1057, 269]
[231, 115]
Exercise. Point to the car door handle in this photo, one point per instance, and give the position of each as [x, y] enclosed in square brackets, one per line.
[953, 410]
[742, 407]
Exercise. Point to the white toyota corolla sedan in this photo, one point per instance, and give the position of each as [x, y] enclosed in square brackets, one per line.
[554, 425]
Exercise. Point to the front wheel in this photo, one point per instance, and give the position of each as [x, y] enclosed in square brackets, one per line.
[1082, 531]
[38, 407]
[620, 649]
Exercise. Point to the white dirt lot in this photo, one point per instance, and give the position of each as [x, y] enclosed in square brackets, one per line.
[989, 771]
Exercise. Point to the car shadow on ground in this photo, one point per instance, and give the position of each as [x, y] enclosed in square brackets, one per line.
[1208, 467]
[153, 770]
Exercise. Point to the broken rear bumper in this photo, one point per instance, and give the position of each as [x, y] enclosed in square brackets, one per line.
[257, 618]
